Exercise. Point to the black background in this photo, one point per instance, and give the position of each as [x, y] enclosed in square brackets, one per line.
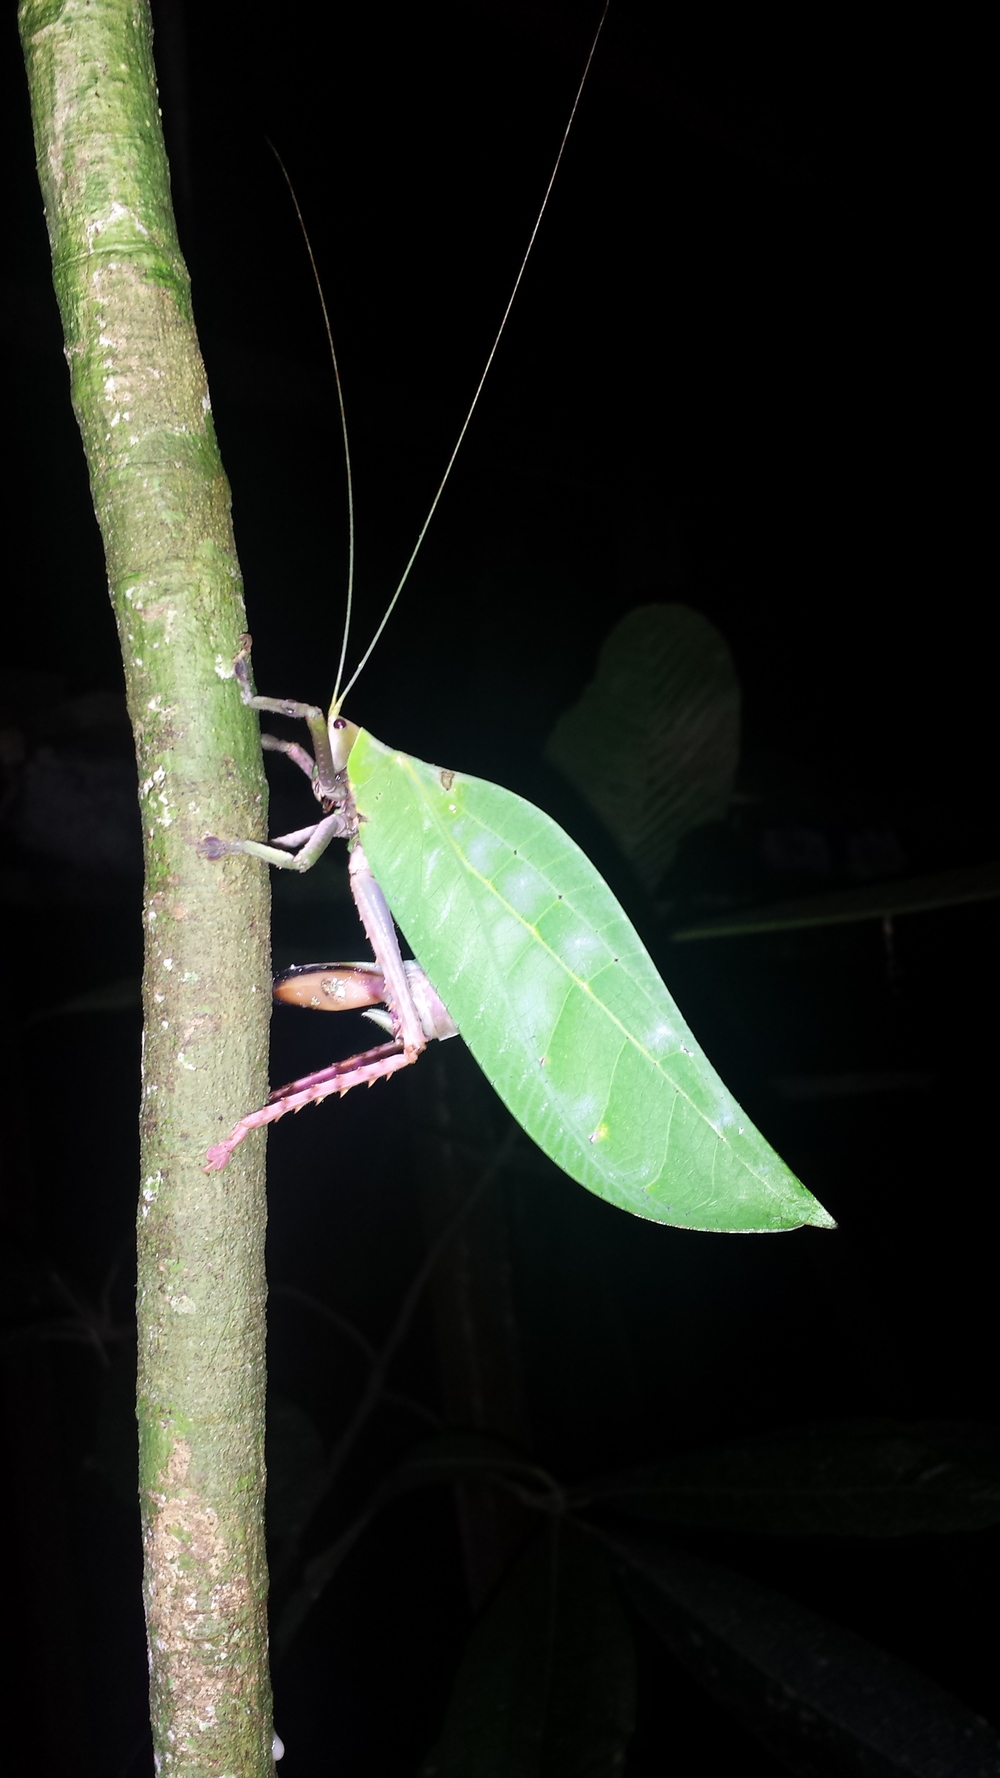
[742, 373]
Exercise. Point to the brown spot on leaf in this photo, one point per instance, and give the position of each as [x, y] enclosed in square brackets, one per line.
[447, 780]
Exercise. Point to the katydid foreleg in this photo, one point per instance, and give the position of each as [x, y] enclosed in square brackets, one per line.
[292, 751]
[331, 738]
[326, 779]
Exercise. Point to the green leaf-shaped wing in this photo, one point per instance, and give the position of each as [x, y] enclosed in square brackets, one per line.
[559, 1002]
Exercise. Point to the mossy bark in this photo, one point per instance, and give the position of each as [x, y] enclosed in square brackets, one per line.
[162, 502]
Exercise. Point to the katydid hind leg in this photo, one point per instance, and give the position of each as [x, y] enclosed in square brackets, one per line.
[417, 1014]
[359, 987]
[339, 1078]
[367, 1065]
[378, 924]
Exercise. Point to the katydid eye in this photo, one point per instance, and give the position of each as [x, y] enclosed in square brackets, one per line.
[341, 722]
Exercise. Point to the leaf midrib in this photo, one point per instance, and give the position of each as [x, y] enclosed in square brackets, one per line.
[407, 761]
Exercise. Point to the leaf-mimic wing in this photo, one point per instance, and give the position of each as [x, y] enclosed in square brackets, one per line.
[559, 1002]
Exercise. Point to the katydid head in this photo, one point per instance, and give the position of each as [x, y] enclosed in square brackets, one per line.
[343, 735]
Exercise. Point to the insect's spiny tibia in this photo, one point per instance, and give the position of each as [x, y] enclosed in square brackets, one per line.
[369, 1066]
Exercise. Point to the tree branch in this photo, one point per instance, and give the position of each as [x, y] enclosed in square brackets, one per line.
[162, 502]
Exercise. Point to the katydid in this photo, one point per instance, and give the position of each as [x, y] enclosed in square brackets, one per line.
[522, 949]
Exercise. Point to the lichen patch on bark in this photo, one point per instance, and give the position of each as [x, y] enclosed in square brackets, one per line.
[196, 1607]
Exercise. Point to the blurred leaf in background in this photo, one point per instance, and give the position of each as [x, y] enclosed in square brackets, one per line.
[653, 743]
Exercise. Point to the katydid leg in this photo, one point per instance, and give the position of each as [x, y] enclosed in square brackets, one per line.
[357, 987]
[332, 827]
[336, 1071]
[326, 778]
[291, 749]
[340, 1077]
[290, 842]
[325, 773]
[378, 924]
[416, 1013]
[330, 987]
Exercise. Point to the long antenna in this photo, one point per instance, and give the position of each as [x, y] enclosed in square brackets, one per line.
[339, 696]
[343, 414]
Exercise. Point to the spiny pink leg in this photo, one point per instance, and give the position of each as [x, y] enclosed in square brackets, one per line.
[340, 1077]
[334, 1070]
[377, 922]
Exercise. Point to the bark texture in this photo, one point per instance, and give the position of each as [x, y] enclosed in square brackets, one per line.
[141, 398]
